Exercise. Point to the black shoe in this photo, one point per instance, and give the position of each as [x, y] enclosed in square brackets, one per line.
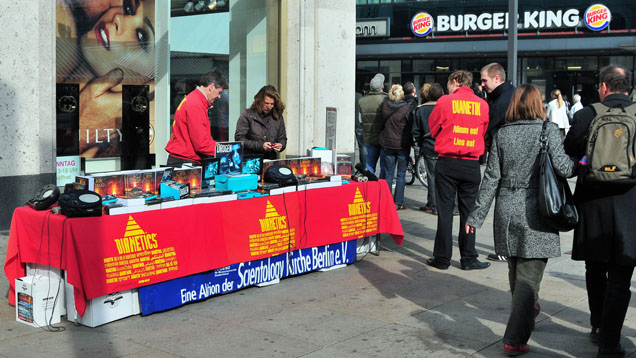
[456, 213]
[499, 258]
[595, 335]
[475, 265]
[438, 265]
[616, 352]
[426, 208]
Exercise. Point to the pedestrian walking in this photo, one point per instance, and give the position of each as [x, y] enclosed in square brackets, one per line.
[511, 179]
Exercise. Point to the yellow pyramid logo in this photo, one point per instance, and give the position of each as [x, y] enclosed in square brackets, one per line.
[359, 206]
[135, 239]
[270, 212]
[358, 198]
[132, 228]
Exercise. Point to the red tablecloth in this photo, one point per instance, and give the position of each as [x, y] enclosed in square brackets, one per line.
[113, 253]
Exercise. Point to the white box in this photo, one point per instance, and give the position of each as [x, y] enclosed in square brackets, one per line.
[222, 198]
[185, 201]
[136, 209]
[325, 155]
[54, 274]
[103, 309]
[35, 298]
[282, 190]
[169, 204]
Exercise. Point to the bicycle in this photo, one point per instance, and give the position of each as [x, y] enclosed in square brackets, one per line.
[416, 169]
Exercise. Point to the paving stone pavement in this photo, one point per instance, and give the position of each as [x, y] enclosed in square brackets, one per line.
[391, 305]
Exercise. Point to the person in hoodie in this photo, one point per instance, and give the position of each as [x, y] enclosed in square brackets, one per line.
[395, 140]
[493, 80]
[458, 123]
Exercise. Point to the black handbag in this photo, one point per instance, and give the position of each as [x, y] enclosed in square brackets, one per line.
[556, 204]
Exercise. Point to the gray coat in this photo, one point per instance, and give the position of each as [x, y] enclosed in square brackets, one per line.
[512, 175]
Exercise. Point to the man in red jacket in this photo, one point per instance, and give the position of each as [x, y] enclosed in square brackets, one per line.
[458, 124]
[190, 139]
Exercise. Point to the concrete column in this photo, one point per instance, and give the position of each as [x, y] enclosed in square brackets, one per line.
[318, 71]
[27, 102]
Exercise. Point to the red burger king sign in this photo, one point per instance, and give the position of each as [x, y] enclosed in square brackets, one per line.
[422, 24]
[597, 17]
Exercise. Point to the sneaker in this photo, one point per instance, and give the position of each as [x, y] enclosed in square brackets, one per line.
[499, 258]
[517, 349]
[401, 207]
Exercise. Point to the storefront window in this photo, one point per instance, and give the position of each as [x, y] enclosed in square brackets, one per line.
[368, 66]
[625, 61]
[587, 63]
[394, 70]
[105, 72]
[422, 65]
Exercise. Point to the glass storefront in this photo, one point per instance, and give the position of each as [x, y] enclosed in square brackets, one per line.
[557, 48]
[108, 62]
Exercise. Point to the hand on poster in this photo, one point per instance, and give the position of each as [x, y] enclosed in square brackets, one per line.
[100, 113]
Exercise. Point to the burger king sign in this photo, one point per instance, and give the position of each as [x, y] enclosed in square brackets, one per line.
[597, 17]
[422, 24]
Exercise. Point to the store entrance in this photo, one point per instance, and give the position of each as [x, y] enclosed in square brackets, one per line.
[582, 83]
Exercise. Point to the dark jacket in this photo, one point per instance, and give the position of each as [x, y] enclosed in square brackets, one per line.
[396, 133]
[607, 213]
[254, 130]
[421, 128]
[371, 112]
[498, 101]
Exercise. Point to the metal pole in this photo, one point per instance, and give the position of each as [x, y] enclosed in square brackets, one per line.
[512, 40]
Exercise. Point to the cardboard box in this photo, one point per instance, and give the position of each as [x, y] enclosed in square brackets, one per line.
[52, 273]
[103, 309]
[35, 299]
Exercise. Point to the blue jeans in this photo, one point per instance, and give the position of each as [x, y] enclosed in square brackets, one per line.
[373, 153]
[391, 156]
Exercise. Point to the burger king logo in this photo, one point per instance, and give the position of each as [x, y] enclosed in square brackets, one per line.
[597, 17]
[422, 24]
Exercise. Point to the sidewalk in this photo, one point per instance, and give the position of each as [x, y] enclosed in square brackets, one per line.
[391, 305]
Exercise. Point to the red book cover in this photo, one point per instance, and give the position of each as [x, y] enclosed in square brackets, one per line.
[110, 185]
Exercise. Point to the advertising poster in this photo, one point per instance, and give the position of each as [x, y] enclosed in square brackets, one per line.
[101, 46]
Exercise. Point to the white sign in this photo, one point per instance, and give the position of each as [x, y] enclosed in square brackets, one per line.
[375, 27]
[67, 169]
[499, 21]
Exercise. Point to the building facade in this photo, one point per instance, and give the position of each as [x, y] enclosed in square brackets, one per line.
[561, 44]
[57, 57]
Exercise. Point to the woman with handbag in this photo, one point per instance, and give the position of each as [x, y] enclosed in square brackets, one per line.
[512, 175]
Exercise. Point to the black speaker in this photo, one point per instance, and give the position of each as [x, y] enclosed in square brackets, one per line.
[81, 203]
[281, 175]
[45, 197]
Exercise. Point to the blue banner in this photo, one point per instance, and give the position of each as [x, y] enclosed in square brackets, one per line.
[177, 292]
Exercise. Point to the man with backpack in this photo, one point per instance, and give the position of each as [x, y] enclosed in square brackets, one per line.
[605, 236]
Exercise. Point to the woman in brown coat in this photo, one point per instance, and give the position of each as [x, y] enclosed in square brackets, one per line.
[261, 128]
